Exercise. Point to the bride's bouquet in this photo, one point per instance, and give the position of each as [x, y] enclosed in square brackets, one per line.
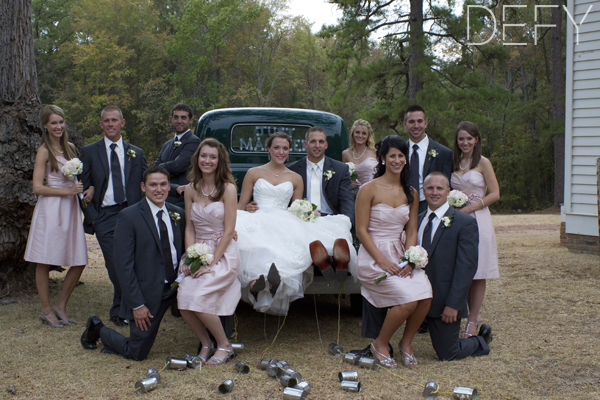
[457, 199]
[71, 169]
[416, 257]
[352, 170]
[303, 209]
[198, 255]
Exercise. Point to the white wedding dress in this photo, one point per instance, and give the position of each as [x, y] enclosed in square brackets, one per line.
[273, 235]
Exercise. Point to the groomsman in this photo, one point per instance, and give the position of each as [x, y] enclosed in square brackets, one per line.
[112, 169]
[176, 153]
[149, 241]
[451, 239]
[423, 152]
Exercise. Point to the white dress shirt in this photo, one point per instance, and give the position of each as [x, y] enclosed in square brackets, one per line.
[178, 137]
[435, 223]
[167, 219]
[324, 208]
[109, 196]
[423, 144]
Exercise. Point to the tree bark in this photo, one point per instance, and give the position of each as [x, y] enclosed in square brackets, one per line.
[19, 133]
[416, 48]
[558, 102]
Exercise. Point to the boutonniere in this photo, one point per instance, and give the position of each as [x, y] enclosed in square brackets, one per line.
[175, 217]
[177, 143]
[328, 174]
[432, 153]
[131, 153]
[447, 221]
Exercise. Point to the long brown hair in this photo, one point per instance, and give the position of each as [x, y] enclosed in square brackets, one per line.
[370, 137]
[68, 149]
[472, 130]
[222, 174]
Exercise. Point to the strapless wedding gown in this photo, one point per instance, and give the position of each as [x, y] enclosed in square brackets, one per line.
[273, 235]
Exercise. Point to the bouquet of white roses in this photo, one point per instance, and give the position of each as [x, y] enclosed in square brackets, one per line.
[352, 170]
[72, 168]
[457, 199]
[303, 209]
[416, 257]
[198, 255]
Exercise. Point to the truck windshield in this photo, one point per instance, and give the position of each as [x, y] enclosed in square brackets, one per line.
[251, 138]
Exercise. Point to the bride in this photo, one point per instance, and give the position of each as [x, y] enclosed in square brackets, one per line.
[273, 243]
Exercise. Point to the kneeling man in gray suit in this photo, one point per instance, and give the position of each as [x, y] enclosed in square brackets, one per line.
[451, 238]
[148, 245]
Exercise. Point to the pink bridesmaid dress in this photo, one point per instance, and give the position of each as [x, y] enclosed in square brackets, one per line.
[56, 235]
[385, 228]
[472, 184]
[365, 170]
[218, 291]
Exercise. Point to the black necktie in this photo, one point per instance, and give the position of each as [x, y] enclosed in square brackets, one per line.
[426, 242]
[166, 249]
[115, 171]
[414, 167]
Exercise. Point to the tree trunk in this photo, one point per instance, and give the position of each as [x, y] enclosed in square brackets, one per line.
[558, 102]
[19, 134]
[416, 48]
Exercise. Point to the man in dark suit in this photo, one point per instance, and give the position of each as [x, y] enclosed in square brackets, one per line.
[176, 153]
[451, 239]
[149, 241]
[112, 169]
[424, 152]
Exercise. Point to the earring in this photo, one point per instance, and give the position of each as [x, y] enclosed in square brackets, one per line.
[269, 156]
[383, 163]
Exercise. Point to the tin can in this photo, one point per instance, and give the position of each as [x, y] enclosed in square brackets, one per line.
[430, 391]
[369, 363]
[351, 386]
[152, 372]
[242, 368]
[336, 349]
[464, 393]
[351, 358]
[225, 387]
[193, 361]
[145, 385]
[348, 376]
[176, 363]
[294, 394]
[304, 385]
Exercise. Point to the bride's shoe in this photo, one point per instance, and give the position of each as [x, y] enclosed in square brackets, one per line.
[45, 320]
[468, 332]
[211, 350]
[274, 279]
[387, 361]
[341, 254]
[318, 253]
[258, 285]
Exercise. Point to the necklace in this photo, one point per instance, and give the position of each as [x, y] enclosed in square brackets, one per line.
[466, 166]
[61, 152]
[210, 194]
[359, 157]
[276, 174]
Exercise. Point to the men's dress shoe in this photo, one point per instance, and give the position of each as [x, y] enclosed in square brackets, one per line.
[423, 327]
[318, 253]
[88, 337]
[366, 352]
[175, 310]
[486, 333]
[341, 255]
[118, 321]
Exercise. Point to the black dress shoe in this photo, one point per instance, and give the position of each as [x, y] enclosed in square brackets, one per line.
[118, 321]
[274, 279]
[175, 310]
[423, 327]
[486, 333]
[88, 337]
[366, 352]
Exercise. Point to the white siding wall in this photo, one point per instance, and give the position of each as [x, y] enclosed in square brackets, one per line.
[582, 119]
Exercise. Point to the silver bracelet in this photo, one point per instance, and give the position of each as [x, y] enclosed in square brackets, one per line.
[482, 203]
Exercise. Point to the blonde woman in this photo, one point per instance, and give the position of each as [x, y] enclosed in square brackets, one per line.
[361, 152]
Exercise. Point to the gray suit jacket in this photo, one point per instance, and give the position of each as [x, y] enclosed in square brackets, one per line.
[452, 263]
[442, 162]
[96, 172]
[337, 190]
[176, 160]
[138, 256]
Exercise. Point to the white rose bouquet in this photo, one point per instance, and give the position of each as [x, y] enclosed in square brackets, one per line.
[457, 199]
[198, 255]
[72, 168]
[416, 257]
[303, 209]
[352, 170]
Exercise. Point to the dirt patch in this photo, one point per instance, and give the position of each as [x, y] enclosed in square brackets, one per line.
[527, 228]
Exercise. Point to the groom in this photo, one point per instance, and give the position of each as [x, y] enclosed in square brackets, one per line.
[451, 239]
[149, 241]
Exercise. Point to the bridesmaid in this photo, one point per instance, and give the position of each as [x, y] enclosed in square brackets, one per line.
[362, 144]
[56, 235]
[384, 208]
[474, 176]
[210, 214]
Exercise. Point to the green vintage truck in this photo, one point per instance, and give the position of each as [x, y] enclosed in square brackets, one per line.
[244, 132]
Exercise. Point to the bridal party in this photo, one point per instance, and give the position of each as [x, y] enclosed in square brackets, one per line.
[405, 219]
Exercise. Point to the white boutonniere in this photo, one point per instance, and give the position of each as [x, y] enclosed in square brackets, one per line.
[328, 174]
[447, 221]
[432, 153]
[131, 153]
[177, 143]
[175, 216]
